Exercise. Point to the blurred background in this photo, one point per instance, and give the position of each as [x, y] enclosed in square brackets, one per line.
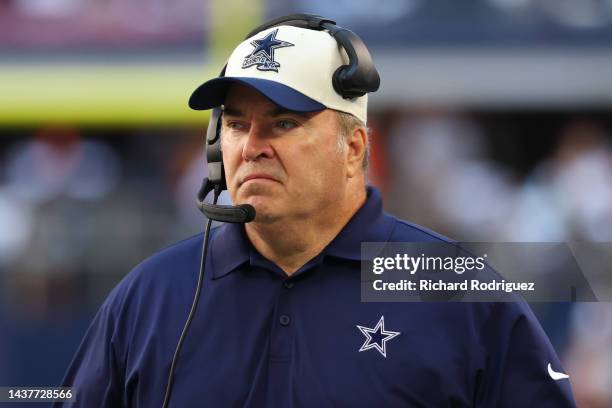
[493, 123]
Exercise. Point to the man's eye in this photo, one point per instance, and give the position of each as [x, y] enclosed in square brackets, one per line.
[286, 124]
[234, 125]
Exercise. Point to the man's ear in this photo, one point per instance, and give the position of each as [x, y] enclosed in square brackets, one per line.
[357, 143]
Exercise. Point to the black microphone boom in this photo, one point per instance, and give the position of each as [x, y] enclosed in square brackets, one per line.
[224, 213]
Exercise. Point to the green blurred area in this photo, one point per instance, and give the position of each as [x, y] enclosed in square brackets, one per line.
[114, 92]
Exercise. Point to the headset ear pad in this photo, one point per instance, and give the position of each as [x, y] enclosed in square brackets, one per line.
[359, 76]
[350, 81]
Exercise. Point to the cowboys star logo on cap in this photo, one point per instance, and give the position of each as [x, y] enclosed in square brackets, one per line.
[263, 54]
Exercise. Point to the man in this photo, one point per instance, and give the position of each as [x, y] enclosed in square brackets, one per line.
[280, 322]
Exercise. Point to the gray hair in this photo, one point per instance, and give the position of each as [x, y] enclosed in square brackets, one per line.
[346, 125]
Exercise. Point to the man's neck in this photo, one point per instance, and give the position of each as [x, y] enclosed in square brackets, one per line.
[292, 243]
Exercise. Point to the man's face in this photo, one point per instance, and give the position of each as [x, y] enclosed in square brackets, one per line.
[284, 163]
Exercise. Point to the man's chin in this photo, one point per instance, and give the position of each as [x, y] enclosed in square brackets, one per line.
[264, 211]
[264, 197]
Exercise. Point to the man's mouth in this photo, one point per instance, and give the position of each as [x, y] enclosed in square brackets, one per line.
[258, 176]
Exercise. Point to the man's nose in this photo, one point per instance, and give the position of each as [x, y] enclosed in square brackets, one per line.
[257, 144]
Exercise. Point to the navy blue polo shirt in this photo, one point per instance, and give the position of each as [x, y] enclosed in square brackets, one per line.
[262, 339]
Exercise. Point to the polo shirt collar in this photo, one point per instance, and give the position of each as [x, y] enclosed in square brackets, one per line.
[230, 246]
[369, 224]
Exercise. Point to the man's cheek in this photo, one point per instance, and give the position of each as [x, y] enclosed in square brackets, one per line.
[228, 166]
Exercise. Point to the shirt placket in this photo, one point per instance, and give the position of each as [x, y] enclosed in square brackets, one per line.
[281, 348]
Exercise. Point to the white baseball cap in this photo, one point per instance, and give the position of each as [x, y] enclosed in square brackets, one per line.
[291, 66]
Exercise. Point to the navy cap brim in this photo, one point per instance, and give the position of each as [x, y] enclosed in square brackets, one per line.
[212, 93]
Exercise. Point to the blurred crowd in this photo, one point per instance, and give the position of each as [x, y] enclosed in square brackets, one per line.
[78, 211]
[462, 191]
[80, 207]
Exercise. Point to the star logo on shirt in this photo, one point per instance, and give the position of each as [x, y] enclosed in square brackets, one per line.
[377, 337]
[263, 54]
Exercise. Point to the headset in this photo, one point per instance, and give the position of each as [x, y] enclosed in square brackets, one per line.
[352, 80]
